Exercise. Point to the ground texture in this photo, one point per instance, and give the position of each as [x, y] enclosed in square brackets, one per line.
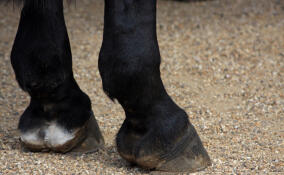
[222, 61]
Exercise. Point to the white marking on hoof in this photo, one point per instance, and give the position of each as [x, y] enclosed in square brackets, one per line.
[56, 135]
[32, 137]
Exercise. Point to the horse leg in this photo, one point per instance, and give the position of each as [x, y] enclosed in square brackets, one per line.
[156, 133]
[59, 116]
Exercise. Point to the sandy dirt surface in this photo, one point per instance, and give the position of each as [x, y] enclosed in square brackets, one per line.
[222, 61]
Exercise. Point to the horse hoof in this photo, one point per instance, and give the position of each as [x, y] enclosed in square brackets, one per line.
[155, 151]
[93, 140]
[53, 137]
[193, 158]
[188, 155]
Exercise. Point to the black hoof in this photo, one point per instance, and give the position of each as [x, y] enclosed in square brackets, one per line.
[163, 143]
[188, 155]
[93, 140]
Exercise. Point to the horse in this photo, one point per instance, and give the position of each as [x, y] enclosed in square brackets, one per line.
[156, 133]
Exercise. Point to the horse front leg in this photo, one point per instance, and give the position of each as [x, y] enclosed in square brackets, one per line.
[156, 133]
[59, 117]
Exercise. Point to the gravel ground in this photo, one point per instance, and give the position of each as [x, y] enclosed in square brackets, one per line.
[223, 62]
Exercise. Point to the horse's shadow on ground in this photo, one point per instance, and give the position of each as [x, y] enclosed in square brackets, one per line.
[106, 155]
[109, 156]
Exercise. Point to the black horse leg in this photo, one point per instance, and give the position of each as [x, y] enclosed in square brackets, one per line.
[59, 116]
[156, 133]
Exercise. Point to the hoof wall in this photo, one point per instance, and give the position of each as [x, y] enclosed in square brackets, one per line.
[186, 163]
[193, 158]
[187, 155]
[93, 141]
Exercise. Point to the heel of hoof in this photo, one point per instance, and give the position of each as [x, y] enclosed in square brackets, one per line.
[54, 138]
[33, 141]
